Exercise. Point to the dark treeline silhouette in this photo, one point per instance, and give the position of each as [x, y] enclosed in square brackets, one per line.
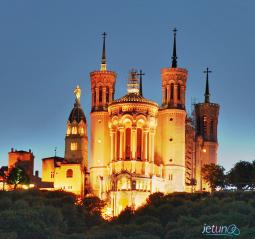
[38, 214]
[44, 215]
[240, 177]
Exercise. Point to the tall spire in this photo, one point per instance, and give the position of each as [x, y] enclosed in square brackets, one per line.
[141, 74]
[103, 61]
[174, 57]
[207, 91]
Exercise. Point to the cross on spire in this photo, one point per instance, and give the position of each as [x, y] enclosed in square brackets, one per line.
[55, 150]
[207, 91]
[174, 57]
[103, 61]
[141, 74]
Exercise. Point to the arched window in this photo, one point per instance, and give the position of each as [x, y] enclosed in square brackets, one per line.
[73, 146]
[69, 173]
[179, 92]
[172, 91]
[100, 94]
[128, 143]
[204, 125]
[68, 130]
[81, 130]
[107, 94]
[74, 130]
[139, 144]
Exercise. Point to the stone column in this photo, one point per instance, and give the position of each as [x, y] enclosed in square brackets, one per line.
[97, 96]
[111, 95]
[92, 100]
[145, 147]
[112, 144]
[175, 95]
[152, 136]
[163, 95]
[133, 142]
[183, 95]
[104, 95]
[121, 142]
[168, 94]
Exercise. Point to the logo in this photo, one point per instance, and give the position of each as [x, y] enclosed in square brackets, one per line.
[220, 230]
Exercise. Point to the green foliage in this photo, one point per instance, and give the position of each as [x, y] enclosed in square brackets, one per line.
[47, 215]
[3, 176]
[242, 175]
[213, 174]
[17, 176]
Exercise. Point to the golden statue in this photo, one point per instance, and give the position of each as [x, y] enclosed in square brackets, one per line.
[77, 92]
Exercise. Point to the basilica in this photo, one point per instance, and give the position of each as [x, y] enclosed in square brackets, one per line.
[137, 146]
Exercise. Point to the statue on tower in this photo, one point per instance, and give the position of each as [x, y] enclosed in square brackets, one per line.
[77, 92]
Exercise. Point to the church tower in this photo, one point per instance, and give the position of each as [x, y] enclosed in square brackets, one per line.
[76, 140]
[102, 91]
[170, 147]
[206, 115]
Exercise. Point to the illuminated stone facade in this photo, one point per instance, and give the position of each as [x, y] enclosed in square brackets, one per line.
[20, 158]
[71, 172]
[137, 147]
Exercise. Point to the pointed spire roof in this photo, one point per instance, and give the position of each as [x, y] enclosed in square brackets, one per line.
[103, 61]
[207, 91]
[174, 57]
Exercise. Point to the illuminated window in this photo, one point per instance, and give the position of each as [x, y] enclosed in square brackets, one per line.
[172, 90]
[68, 130]
[74, 130]
[205, 125]
[81, 131]
[73, 146]
[69, 173]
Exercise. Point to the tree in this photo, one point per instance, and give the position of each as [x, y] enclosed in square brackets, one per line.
[93, 205]
[155, 198]
[3, 175]
[214, 175]
[242, 174]
[17, 176]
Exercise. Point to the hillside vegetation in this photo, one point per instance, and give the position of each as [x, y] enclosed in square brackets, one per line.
[42, 215]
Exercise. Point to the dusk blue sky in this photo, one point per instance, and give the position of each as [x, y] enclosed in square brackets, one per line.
[48, 47]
